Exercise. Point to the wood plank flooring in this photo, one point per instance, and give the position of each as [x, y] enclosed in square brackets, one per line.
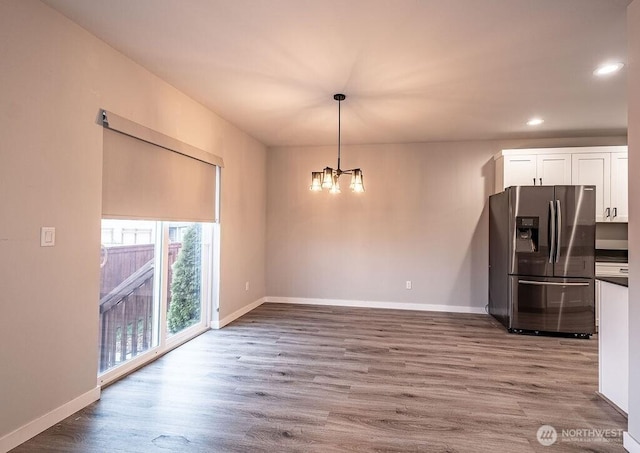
[290, 378]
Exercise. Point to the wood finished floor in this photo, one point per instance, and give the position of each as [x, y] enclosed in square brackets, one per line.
[331, 379]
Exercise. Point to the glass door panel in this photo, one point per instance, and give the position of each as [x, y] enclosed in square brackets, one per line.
[129, 298]
[188, 269]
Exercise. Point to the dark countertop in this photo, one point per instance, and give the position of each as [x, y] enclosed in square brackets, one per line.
[622, 281]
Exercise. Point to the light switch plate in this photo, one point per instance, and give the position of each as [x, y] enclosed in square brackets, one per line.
[47, 236]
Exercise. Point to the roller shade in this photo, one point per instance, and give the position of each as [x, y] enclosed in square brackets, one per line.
[145, 180]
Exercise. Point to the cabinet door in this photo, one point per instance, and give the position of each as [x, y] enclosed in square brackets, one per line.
[613, 339]
[619, 187]
[597, 304]
[520, 170]
[554, 169]
[594, 169]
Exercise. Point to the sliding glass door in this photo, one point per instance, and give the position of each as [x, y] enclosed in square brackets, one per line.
[189, 276]
[155, 288]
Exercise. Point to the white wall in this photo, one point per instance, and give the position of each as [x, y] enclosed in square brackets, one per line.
[54, 78]
[633, 22]
[423, 218]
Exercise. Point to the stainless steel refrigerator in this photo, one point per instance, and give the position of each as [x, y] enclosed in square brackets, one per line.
[541, 259]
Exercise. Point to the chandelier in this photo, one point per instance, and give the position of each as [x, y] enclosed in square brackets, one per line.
[328, 178]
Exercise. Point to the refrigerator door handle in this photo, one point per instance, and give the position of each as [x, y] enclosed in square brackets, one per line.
[552, 231]
[558, 229]
[533, 282]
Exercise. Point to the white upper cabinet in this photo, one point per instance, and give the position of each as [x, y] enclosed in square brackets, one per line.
[609, 173]
[520, 170]
[554, 169]
[619, 187]
[602, 166]
[595, 169]
[533, 170]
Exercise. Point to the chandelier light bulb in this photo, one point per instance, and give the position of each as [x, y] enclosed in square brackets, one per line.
[327, 180]
[335, 188]
[356, 181]
[316, 181]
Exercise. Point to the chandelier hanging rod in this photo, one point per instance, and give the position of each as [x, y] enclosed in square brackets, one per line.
[339, 97]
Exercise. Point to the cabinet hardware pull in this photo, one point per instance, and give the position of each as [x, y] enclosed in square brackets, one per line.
[540, 181]
[615, 213]
[534, 181]
[607, 212]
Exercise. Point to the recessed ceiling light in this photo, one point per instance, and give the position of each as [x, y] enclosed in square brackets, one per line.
[535, 122]
[607, 69]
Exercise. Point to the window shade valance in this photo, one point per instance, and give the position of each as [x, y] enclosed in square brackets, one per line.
[148, 175]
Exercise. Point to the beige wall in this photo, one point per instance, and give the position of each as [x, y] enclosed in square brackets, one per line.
[54, 77]
[633, 18]
[423, 218]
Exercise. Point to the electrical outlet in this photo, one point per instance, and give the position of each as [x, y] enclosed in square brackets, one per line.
[408, 284]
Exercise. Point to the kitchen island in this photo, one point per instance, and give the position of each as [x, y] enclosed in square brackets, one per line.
[613, 341]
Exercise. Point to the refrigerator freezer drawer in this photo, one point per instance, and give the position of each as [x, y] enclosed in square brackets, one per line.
[553, 304]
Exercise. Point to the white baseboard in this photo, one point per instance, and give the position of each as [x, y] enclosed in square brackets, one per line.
[218, 324]
[35, 427]
[377, 304]
[236, 314]
[631, 444]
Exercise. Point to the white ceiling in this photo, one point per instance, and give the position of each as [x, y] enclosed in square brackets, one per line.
[412, 70]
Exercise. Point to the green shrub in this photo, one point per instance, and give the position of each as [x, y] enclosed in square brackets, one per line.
[184, 308]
